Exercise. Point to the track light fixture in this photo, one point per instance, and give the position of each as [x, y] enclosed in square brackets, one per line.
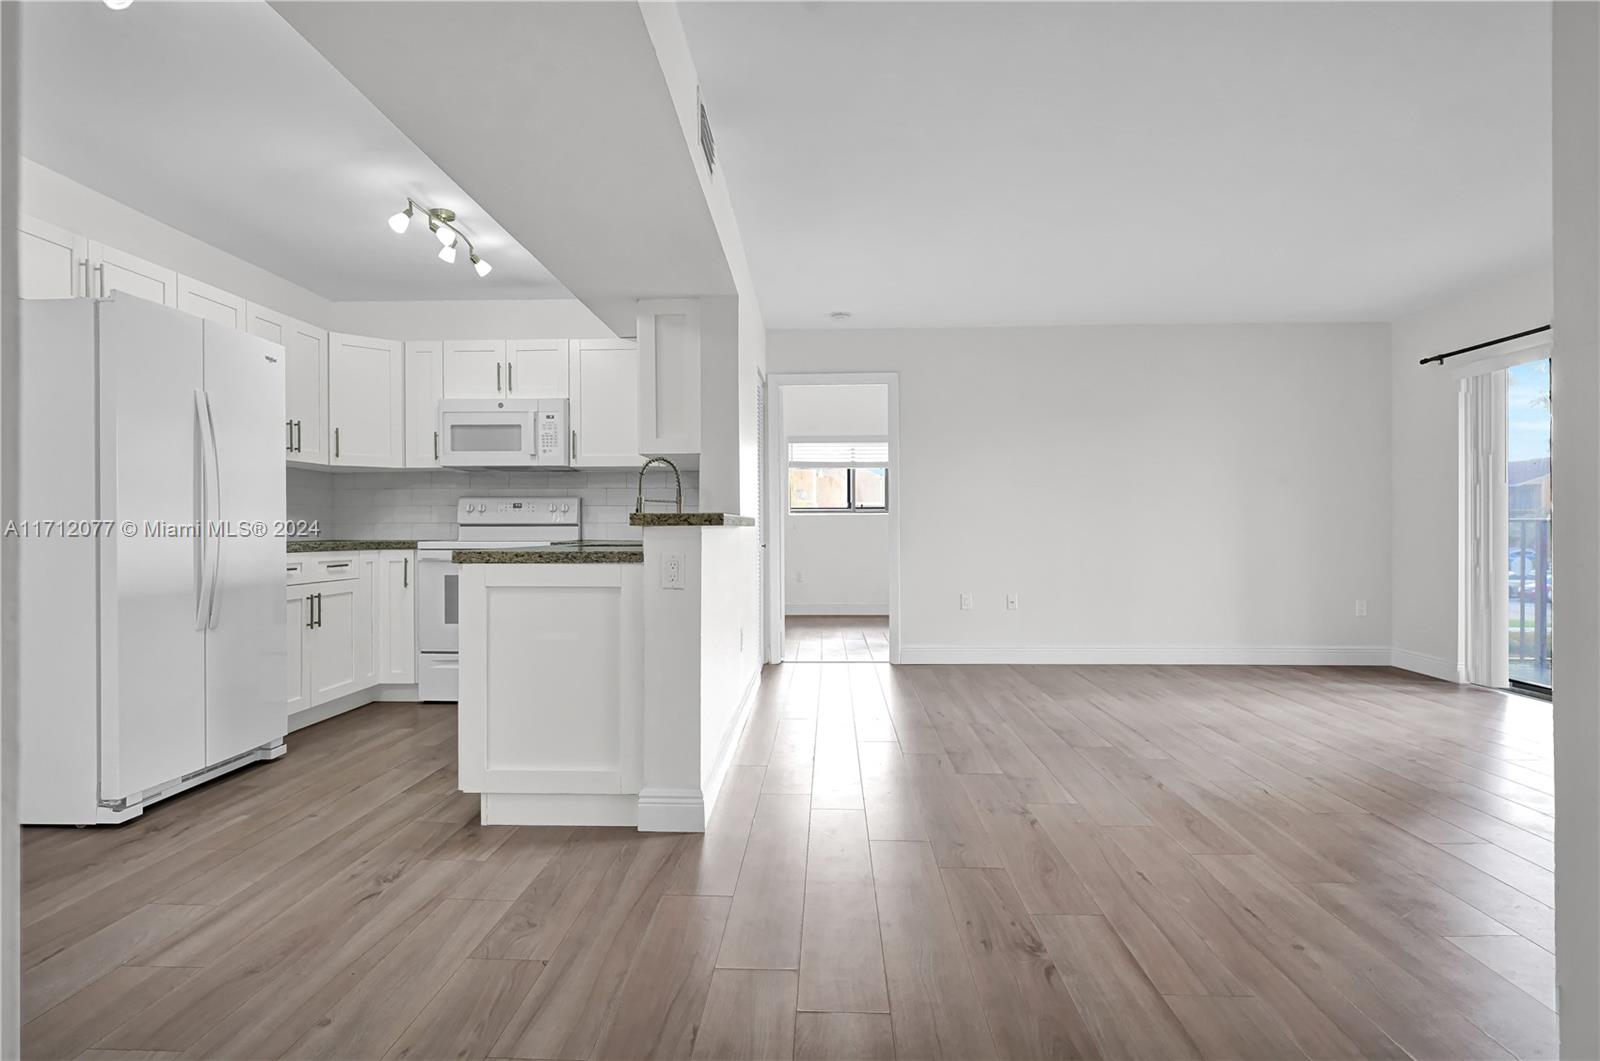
[441, 222]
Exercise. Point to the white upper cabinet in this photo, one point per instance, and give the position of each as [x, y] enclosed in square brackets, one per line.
[424, 386]
[211, 303]
[51, 262]
[305, 381]
[366, 401]
[604, 374]
[113, 270]
[475, 369]
[537, 368]
[669, 376]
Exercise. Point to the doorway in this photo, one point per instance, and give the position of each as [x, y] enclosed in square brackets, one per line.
[832, 511]
[1530, 557]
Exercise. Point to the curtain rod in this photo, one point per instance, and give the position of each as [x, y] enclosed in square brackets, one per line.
[1440, 358]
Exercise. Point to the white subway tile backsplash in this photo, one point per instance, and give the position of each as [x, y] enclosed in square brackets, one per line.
[421, 504]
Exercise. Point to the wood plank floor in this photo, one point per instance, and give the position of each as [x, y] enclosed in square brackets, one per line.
[836, 638]
[955, 862]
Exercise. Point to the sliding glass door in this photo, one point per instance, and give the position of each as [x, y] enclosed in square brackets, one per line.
[1529, 561]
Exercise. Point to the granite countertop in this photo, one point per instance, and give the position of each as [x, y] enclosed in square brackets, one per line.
[570, 553]
[690, 519]
[345, 545]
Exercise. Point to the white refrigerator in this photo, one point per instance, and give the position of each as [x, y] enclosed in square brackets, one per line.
[151, 565]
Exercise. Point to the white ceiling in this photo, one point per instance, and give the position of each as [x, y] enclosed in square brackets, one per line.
[947, 164]
[221, 121]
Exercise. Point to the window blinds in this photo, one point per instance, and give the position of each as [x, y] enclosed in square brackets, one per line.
[843, 453]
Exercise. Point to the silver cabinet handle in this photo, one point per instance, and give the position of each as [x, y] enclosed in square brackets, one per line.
[100, 270]
[86, 277]
[509, 386]
[288, 428]
[405, 573]
[299, 436]
[436, 445]
[319, 611]
[311, 606]
[497, 367]
[336, 442]
[574, 454]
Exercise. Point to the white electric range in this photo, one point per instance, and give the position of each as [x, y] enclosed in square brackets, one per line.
[508, 523]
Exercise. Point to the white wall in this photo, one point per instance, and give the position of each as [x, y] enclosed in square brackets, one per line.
[1151, 493]
[1425, 501]
[836, 563]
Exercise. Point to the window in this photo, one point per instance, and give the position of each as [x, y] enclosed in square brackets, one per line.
[849, 475]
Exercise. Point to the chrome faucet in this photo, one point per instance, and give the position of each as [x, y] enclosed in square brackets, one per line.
[638, 505]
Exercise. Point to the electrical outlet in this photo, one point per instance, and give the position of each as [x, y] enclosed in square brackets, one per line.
[799, 576]
[1011, 602]
[966, 602]
[1361, 609]
[672, 571]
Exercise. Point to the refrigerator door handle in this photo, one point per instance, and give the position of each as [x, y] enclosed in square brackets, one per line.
[214, 551]
[202, 604]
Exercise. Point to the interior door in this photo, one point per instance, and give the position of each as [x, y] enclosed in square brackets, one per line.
[51, 262]
[335, 666]
[474, 368]
[537, 368]
[115, 270]
[244, 641]
[366, 401]
[152, 669]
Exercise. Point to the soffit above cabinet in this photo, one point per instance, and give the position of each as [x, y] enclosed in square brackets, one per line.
[223, 122]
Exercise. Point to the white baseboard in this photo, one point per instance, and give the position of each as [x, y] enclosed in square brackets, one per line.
[558, 808]
[712, 777]
[1447, 670]
[839, 608]
[349, 702]
[1156, 655]
[672, 810]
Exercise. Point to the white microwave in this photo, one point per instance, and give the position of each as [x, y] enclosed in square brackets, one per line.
[504, 433]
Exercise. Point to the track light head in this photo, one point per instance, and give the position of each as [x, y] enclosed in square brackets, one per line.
[481, 266]
[118, 5]
[401, 221]
[447, 253]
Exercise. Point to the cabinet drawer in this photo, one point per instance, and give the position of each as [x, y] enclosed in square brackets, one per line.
[306, 568]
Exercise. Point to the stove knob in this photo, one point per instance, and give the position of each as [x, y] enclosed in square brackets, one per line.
[552, 506]
[566, 508]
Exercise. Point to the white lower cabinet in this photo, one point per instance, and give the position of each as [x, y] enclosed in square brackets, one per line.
[397, 618]
[352, 625]
[300, 629]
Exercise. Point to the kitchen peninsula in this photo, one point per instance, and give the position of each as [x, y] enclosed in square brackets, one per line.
[604, 683]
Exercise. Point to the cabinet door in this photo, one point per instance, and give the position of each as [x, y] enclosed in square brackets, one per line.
[211, 303]
[332, 644]
[367, 615]
[605, 403]
[474, 369]
[298, 670]
[537, 368]
[305, 383]
[397, 597]
[424, 388]
[116, 270]
[366, 402]
[669, 375]
[51, 262]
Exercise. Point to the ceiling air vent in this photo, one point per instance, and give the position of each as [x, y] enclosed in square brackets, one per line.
[708, 144]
